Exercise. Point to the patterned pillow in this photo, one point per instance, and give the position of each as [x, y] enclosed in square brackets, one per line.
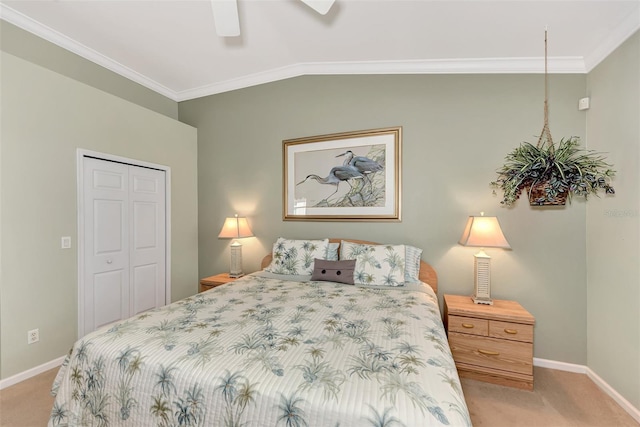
[332, 251]
[296, 256]
[376, 265]
[412, 263]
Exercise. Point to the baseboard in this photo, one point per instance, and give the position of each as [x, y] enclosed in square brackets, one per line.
[624, 403]
[581, 369]
[560, 366]
[25, 375]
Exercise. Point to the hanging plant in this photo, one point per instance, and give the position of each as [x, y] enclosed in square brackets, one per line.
[552, 174]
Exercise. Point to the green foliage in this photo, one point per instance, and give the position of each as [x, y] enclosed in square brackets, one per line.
[568, 170]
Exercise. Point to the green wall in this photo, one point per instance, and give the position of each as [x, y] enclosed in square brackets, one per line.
[456, 131]
[613, 225]
[38, 51]
[46, 117]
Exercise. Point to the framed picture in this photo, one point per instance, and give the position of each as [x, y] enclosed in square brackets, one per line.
[351, 176]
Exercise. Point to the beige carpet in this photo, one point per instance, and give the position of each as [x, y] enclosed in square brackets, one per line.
[27, 404]
[559, 399]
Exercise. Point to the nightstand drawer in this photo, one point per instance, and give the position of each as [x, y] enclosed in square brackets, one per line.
[510, 331]
[509, 356]
[205, 287]
[469, 325]
[215, 281]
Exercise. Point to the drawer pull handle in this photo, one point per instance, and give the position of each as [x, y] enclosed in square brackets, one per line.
[467, 325]
[488, 353]
[511, 331]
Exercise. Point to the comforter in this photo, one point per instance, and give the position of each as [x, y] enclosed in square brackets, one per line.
[268, 352]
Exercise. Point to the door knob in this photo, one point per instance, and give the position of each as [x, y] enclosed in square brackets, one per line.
[109, 261]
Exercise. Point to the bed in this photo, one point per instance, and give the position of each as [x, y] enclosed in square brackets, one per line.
[267, 350]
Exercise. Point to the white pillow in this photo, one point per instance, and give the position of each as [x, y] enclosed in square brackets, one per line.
[412, 255]
[296, 256]
[376, 265]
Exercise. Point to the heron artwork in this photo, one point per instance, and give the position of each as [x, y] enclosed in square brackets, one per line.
[336, 176]
[355, 171]
[364, 165]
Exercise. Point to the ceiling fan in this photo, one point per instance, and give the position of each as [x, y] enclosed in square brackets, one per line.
[225, 14]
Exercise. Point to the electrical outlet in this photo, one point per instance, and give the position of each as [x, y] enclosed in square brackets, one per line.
[33, 336]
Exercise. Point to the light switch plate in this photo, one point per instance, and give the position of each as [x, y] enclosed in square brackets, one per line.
[65, 242]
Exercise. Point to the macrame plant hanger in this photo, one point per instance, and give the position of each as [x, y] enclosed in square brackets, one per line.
[552, 174]
[538, 189]
[545, 136]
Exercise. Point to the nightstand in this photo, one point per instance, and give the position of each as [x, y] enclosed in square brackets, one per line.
[492, 343]
[213, 281]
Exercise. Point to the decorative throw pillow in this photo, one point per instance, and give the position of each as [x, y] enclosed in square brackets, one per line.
[295, 257]
[334, 271]
[332, 251]
[376, 265]
[412, 263]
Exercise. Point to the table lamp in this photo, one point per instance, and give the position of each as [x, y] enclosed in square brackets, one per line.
[484, 232]
[235, 228]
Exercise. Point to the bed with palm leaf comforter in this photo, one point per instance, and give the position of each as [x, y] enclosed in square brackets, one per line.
[268, 352]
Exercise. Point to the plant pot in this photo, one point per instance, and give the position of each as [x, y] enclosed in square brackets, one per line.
[540, 194]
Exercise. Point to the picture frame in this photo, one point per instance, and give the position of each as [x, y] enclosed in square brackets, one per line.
[348, 176]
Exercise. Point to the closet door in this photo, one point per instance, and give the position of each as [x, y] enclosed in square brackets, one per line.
[124, 241]
[147, 238]
[106, 246]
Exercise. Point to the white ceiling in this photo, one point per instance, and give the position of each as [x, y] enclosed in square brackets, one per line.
[171, 46]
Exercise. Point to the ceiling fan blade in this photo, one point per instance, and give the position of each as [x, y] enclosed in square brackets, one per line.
[320, 6]
[225, 17]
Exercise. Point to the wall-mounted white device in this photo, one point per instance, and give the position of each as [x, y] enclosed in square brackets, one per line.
[583, 104]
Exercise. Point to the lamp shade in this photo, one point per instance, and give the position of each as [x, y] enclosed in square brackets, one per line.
[485, 232]
[235, 228]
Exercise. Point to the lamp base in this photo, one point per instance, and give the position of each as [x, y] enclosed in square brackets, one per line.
[235, 267]
[482, 300]
[482, 281]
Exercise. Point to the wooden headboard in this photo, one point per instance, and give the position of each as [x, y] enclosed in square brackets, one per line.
[427, 273]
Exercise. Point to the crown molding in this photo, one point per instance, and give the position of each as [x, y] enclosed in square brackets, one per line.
[557, 65]
[28, 24]
[619, 34]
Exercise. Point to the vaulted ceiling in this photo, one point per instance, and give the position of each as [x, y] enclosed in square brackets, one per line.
[171, 46]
